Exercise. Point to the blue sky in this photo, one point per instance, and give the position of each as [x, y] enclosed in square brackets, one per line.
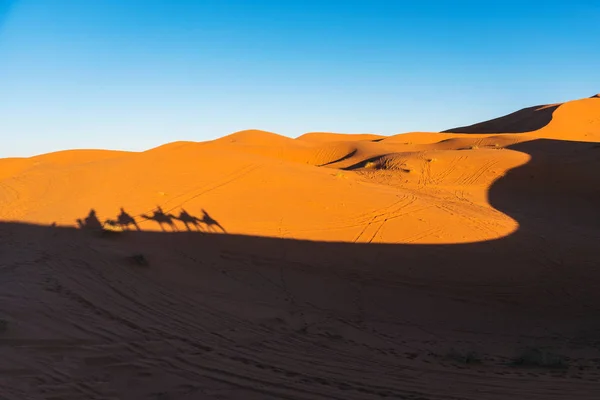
[134, 74]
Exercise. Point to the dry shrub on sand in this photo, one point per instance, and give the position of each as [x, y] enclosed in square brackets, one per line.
[535, 357]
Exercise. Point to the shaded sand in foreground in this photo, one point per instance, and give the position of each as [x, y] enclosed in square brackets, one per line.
[422, 265]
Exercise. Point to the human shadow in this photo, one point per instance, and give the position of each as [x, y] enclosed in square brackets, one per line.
[161, 218]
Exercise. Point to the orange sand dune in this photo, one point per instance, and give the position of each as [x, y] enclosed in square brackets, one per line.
[329, 137]
[574, 120]
[525, 120]
[256, 266]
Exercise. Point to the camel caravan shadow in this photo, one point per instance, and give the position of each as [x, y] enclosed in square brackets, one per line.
[126, 222]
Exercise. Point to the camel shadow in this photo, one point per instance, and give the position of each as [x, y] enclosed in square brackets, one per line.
[211, 223]
[189, 221]
[91, 222]
[122, 222]
[161, 218]
[125, 220]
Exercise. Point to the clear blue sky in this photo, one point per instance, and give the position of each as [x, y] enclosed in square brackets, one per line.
[133, 74]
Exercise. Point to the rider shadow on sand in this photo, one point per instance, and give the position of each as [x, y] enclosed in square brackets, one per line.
[189, 221]
[211, 223]
[160, 217]
[123, 221]
[90, 222]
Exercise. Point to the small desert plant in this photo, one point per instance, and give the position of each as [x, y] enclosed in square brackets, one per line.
[111, 226]
[109, 232]
[534, 357]
[371, 165]
[469, 357]
[139, 259]
[392, 164]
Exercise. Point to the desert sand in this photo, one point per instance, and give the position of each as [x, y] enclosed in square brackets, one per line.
[454, 265]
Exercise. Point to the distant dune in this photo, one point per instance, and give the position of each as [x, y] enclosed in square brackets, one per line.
[525, 120]
[531, 119]
[453, 265]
